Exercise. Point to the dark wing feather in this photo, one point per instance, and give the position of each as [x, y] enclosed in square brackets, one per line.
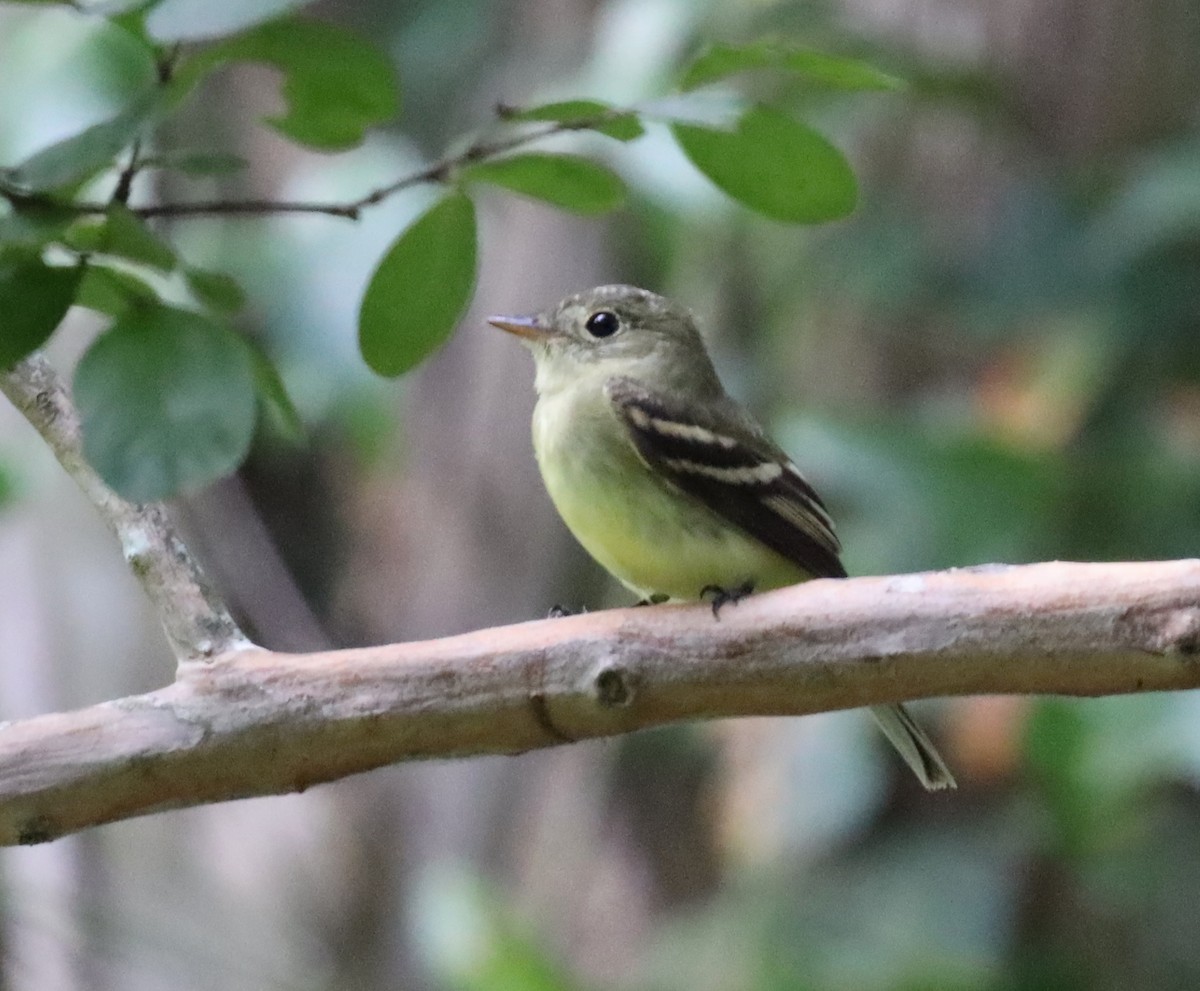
[728, 465]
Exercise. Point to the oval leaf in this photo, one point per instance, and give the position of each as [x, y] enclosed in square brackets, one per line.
[420, 289]
[33, 225]
[82, 155]
[215, 290]
[591, 115]
[565, 180]
[129, 237]
[113, 291]
[196, 163]
[34, 298]
[168, 402]
[336, 84]
[775, 165]
[721, 60]
[123, 234]
[279, 412]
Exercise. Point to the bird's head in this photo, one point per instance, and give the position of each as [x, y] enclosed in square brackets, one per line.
[614, 330]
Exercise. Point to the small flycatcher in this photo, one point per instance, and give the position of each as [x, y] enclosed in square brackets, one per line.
[666, 481]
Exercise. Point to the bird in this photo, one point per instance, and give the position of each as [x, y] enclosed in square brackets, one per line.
[669, 483]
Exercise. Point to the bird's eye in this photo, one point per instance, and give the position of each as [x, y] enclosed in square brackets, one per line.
[602, 323]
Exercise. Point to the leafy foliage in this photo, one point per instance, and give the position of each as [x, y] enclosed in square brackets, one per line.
[33, 225]
[773, 164]
[82, 155]
[420, 289]
[591, 115]
[566, 181]
[215, 290]
[120, 233]
[196, 163]
[336, 87]
[114, 291]
[34, 297]
[167, 399]
[278, 410]
[720, 60]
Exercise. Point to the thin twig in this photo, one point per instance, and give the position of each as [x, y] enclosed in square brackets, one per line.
[440, 171]
[125, 180]
[166, 62]
[239, 208]
[164, 72]
[196, 622]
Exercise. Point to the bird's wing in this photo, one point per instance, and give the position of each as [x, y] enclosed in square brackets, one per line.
[734, 471]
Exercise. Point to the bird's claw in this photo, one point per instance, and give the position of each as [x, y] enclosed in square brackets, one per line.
[558, 611]
[725, 596]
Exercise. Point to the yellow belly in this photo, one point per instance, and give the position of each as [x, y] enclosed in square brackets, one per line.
[654, 539]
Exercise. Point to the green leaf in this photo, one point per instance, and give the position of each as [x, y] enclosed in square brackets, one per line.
[168, 402]
[124, 235]
[591, 115]
[721, 60]
[565, 180]
[216, 290]
[198, 163]
[773, 164]
[34, 298]
[278, 409]
[129, 237]
[186, 20]
[336, 85]
[34, 225]
[113, 291]
[420, 289]
[84, 154]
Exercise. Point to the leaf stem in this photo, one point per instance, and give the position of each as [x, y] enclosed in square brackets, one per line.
[125, 180]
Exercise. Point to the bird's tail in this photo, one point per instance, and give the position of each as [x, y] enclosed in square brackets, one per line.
[914, 746]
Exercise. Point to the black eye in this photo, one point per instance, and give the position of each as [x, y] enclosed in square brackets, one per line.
[603, 323]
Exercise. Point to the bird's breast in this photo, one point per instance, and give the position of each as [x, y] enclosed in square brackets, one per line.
[655, 539]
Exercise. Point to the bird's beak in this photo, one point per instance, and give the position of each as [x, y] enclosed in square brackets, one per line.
[531, 328]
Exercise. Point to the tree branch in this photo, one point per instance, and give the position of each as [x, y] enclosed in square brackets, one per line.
[196, 622]
[254, 722]
[439, 171]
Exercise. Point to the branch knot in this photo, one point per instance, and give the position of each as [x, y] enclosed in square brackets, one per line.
[612, 686]
[1178, 631]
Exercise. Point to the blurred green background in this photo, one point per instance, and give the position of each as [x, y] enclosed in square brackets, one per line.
[997, 358]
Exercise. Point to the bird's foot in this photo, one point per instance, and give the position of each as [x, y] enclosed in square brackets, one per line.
[725, 596]
[658, 598]
[557, 611]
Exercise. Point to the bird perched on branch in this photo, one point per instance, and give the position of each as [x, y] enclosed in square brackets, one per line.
[664, 479]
